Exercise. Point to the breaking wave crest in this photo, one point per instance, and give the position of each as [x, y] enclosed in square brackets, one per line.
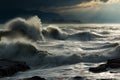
[34, 57]
[30, 28]
[111, 52]
[85, 36]
[21, 51]
[54, 32]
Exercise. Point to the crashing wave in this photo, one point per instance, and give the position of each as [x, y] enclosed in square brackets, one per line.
[54, 32]
[30, 28]
[21, 51]
[85, 36]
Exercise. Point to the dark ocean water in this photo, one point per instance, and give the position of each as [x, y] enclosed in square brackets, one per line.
[60, 51]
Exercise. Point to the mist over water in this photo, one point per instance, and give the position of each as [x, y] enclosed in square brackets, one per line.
[59, 51]
[30, 28]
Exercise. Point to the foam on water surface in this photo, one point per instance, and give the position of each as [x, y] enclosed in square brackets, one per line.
[67, 51]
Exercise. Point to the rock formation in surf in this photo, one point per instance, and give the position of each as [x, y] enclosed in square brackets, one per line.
[34, 78]
[112, 63]
[9, 67]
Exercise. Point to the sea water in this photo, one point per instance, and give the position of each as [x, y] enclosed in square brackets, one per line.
[67, 51]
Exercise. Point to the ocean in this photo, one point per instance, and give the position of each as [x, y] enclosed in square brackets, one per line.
[60, 51]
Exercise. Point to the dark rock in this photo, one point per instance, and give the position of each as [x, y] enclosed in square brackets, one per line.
[113, 63]
[78, 78]
[100, 68]
[106, 79]
[34, 78]
[9, 67]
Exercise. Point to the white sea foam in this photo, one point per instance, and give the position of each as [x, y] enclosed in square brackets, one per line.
[54, 32]
[30, 28]
[67, 52]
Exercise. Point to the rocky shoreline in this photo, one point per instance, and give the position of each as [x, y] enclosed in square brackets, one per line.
[111, 64]
[10, 67]
[34, 78]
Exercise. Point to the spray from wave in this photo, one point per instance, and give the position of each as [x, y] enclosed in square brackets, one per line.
[30, 28]
[22, 51]
[20, 48]
[85, 36]
[54, 32]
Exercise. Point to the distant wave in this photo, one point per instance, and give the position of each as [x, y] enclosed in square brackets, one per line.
[85, 36]
[108, 45]
[54, 32]
[30, 28]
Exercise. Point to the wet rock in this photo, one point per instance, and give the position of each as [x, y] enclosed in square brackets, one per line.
[34, 78]
[100, 68]
[79, 78]
[106, 79]
[9, 67]
[112, 63]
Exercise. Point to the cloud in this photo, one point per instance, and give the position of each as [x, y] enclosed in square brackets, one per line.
[51, 5]
[104, 0]
[113, 1]
[91, 3]
[103, 12]
[85, 9]
[83, 4]
[26, 4]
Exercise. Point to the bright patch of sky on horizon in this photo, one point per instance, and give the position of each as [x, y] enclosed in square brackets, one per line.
[94, 11]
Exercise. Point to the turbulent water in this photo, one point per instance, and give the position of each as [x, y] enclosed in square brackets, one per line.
[60, 51]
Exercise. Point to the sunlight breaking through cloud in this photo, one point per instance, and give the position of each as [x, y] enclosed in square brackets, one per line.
[113, 1]
[85, 5]
[91, 3]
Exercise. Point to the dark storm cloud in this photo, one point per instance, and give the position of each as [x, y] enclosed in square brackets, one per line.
[38, 4]
[104, 0]
[24, 4]
[14, 8]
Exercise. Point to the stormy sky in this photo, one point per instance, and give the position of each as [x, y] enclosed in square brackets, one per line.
[96, 11]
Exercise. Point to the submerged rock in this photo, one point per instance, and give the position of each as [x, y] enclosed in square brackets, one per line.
[9, 67]
[106, 79]
[79, 78]
[100, 68]
[112, 63]
[34, 78]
